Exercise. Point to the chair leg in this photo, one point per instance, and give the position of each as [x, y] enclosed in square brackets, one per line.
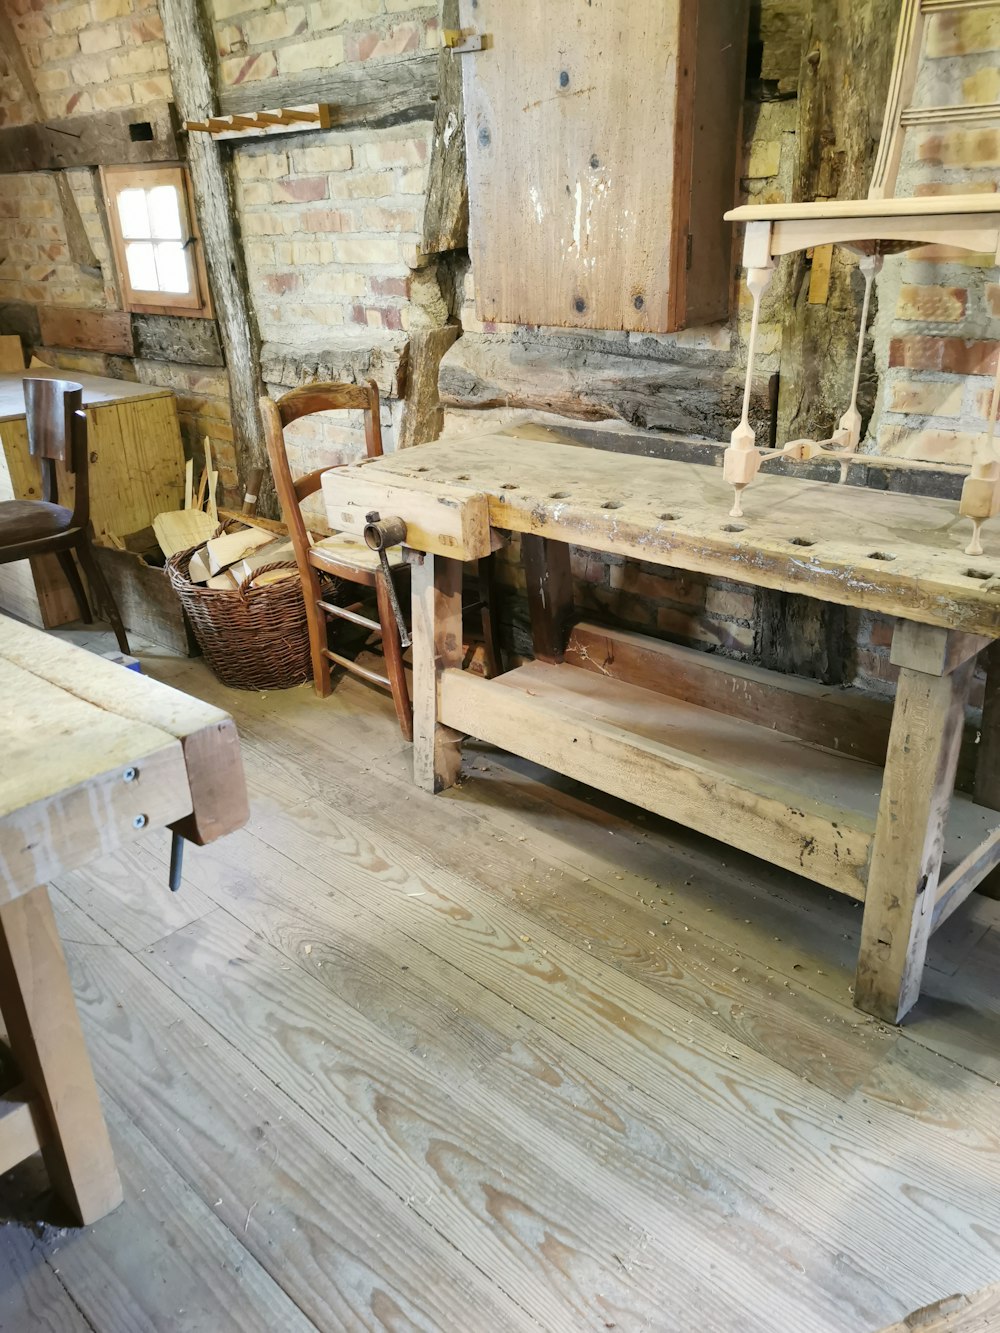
[486, 575]
[392, 648]
[317, 622]
[68, 566]
[103, 595]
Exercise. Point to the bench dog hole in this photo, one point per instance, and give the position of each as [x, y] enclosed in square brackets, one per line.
[559, 495]
[800, 541]
[978, 574]
[881, 555]
[612, 504]
[668, 518]
[734, 527]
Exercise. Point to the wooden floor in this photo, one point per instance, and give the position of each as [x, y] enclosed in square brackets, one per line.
[514, 1057]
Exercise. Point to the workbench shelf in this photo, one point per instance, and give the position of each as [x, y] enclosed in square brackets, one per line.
[809, 809]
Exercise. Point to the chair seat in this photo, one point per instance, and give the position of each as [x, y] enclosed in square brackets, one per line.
[343, 548]
[28, 520]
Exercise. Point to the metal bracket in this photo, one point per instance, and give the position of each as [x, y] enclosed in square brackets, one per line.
[462, 43]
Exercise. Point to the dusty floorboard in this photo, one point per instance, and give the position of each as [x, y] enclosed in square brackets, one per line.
[515, 1057]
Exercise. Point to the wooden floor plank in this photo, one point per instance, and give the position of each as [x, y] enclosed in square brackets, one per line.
[164, 1259]
[696, 1078]
[478, 1181]
[347, 1252]
[32, 1296]
[575, 1106]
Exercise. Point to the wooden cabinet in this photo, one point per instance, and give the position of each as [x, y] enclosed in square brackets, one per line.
[136, 472]
[603, 140]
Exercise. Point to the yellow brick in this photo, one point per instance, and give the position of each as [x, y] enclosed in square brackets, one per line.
[961, 148]
[930, 398]
[395, 152]
[255, 193]
[935, 446]
[983, 86]
[320, 53]
[113, 97]
[765, 158]
[59, 48]
[249, 69]
[227, 9]
[90, 70]
[51, 80]
[367, 250]
[938, 304]
[102, 10]
[333, 13]
[324, 157]
[152, 90]
[268, 165]
[274, 27]
[140, 60]
[963, 34]
[104, 38]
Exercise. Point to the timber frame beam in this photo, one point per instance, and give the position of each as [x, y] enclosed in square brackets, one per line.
[190, 55]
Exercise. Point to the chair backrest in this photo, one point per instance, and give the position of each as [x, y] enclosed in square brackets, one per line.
[278, 413]
[57, 433]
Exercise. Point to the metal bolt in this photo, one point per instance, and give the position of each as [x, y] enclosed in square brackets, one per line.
[140, 821]
[130, 775]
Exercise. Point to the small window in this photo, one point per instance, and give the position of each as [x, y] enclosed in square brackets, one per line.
[156, 246]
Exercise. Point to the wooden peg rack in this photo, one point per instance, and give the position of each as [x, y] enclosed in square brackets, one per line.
[257, 124]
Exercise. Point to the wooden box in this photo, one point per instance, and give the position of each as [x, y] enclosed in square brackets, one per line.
[603, 142]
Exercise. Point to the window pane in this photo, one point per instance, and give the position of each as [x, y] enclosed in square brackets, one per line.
[164, 212]
[141, 266]
[172, 267]
[132, 212]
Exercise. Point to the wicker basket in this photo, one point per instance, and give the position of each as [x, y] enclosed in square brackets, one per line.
[253, 637]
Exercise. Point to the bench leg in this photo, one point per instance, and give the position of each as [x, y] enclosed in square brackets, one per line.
[46, 1040]
[437, 644]
[549, 582]
[905, 865]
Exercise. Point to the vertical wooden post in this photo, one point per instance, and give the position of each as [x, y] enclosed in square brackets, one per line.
[191, 56]
[46, 1040]
[987, 781]
[550, 594]
[924, 743]
[436, 590]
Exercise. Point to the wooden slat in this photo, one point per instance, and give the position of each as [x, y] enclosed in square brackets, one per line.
[22, 1127]
[721, 776]
[98, 330]
[101, 138]
[845, 720]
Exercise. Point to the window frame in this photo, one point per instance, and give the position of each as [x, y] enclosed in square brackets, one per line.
[197, 303]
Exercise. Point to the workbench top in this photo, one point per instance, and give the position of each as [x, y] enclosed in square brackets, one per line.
[897, 554]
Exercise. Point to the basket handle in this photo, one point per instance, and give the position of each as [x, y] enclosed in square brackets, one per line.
[246, 587]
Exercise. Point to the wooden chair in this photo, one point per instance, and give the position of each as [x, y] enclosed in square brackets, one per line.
[57, 433]
[347, 557]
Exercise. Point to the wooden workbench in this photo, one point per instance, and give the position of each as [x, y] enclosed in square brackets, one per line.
[776, 766]
[136, 472]
[94, 756]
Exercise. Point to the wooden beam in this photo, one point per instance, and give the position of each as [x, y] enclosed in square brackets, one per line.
[446, 209]
[94, 330]
[370, 93]
[579, 376]
[191, 56]
[21, 317]
[106, 138]
[341, 360]
[549, 582]
[192, 342]
[423, 414]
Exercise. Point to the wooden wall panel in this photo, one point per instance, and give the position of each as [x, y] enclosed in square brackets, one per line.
[570, 143]
[602, 154]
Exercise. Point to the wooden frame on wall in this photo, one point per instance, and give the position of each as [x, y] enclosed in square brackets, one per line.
[196, 301]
